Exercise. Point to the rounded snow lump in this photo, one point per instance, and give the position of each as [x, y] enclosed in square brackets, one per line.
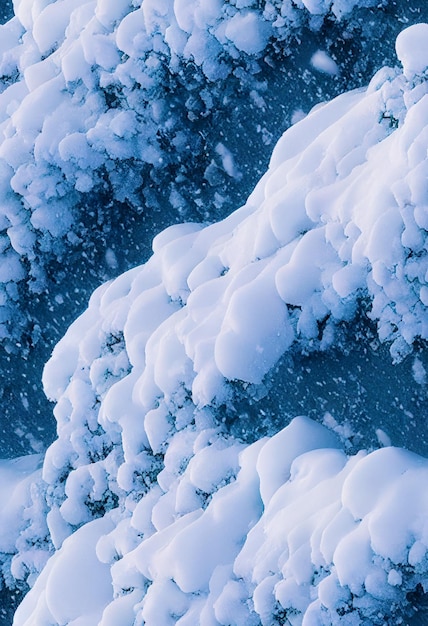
[412, 49]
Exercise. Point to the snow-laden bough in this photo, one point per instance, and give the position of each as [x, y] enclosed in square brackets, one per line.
[180, 521]
[104, 99]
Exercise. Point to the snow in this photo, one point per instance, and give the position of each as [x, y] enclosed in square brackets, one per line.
[84, 95]
[148, 508]
[74, 586]
[247, 33]
[324, 63]
[412, 49]
[319, 542]
[16, 477]
[419, 372]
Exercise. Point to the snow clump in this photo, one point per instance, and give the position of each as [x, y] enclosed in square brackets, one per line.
[412, 49]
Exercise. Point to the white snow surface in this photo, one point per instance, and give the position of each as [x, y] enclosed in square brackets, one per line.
[286, 527]
[62, 61]
[16, 476]
[322, 62]
[194, 526]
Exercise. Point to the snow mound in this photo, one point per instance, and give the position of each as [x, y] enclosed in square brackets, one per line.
[412, 49]
[208, 528]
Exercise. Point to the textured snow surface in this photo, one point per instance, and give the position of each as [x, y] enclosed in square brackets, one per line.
[155, 511]
[16, 477]
[286, 528]
[87, 107]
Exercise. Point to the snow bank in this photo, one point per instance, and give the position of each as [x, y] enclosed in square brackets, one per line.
[209, 528]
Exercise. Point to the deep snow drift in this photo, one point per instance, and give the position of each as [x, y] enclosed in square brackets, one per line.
[155, 512]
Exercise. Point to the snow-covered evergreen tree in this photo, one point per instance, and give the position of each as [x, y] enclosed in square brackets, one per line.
[179, 488]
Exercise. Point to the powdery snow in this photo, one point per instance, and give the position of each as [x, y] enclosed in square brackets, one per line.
[194, 525]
